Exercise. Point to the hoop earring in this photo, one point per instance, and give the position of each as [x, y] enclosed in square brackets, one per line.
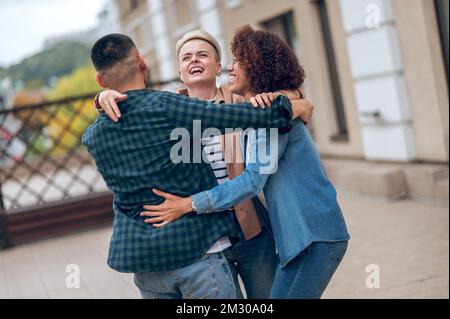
[219, 73]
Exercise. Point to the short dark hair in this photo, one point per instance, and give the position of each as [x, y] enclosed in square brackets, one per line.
[268, 62]
[111, 49]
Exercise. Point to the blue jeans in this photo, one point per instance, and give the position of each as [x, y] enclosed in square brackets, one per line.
[307, 275]
[211, 277]
[256, 262]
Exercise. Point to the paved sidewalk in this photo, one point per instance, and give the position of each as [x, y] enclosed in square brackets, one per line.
[408, 241]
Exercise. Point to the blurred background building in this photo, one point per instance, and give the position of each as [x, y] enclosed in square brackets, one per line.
[377, 71]
[380, 87]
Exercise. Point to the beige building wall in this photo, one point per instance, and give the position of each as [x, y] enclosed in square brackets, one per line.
[135, 22]
[156, 25]
[422, 69]
[313, 57]
[425, 77]
[160, 23]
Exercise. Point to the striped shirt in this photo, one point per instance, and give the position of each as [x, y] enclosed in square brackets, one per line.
[214, 154]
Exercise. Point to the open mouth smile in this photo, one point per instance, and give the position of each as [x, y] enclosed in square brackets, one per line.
[196, 70]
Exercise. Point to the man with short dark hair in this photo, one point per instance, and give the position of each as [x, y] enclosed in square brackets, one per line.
[115, 60]
[179, 260]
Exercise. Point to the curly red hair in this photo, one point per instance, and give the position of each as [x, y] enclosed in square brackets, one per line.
[268, 62]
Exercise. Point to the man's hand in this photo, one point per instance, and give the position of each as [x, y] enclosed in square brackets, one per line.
[302, 109]
[107, 101]
[173, 208]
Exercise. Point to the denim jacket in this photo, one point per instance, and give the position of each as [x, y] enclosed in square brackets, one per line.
[300, 198]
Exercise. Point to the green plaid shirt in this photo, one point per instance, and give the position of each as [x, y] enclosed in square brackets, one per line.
[133, 156]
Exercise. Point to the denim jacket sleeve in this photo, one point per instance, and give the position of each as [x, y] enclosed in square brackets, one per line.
[251, 182]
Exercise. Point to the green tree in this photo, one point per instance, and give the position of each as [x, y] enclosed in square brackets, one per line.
[69, 121]
[57, 61]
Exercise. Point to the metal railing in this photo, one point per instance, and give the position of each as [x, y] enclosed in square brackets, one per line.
[48, 181]
[41, 156]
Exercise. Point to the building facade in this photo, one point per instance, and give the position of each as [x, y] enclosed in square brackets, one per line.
[377, 70]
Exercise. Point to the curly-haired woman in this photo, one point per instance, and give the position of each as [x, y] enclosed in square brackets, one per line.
[308, 226]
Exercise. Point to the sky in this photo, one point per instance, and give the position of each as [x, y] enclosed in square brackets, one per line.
[25, 24]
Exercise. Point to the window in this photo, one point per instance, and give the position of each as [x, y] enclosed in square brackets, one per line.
[134, 4]
[284, 27]
[442, 11]
[342, 131]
